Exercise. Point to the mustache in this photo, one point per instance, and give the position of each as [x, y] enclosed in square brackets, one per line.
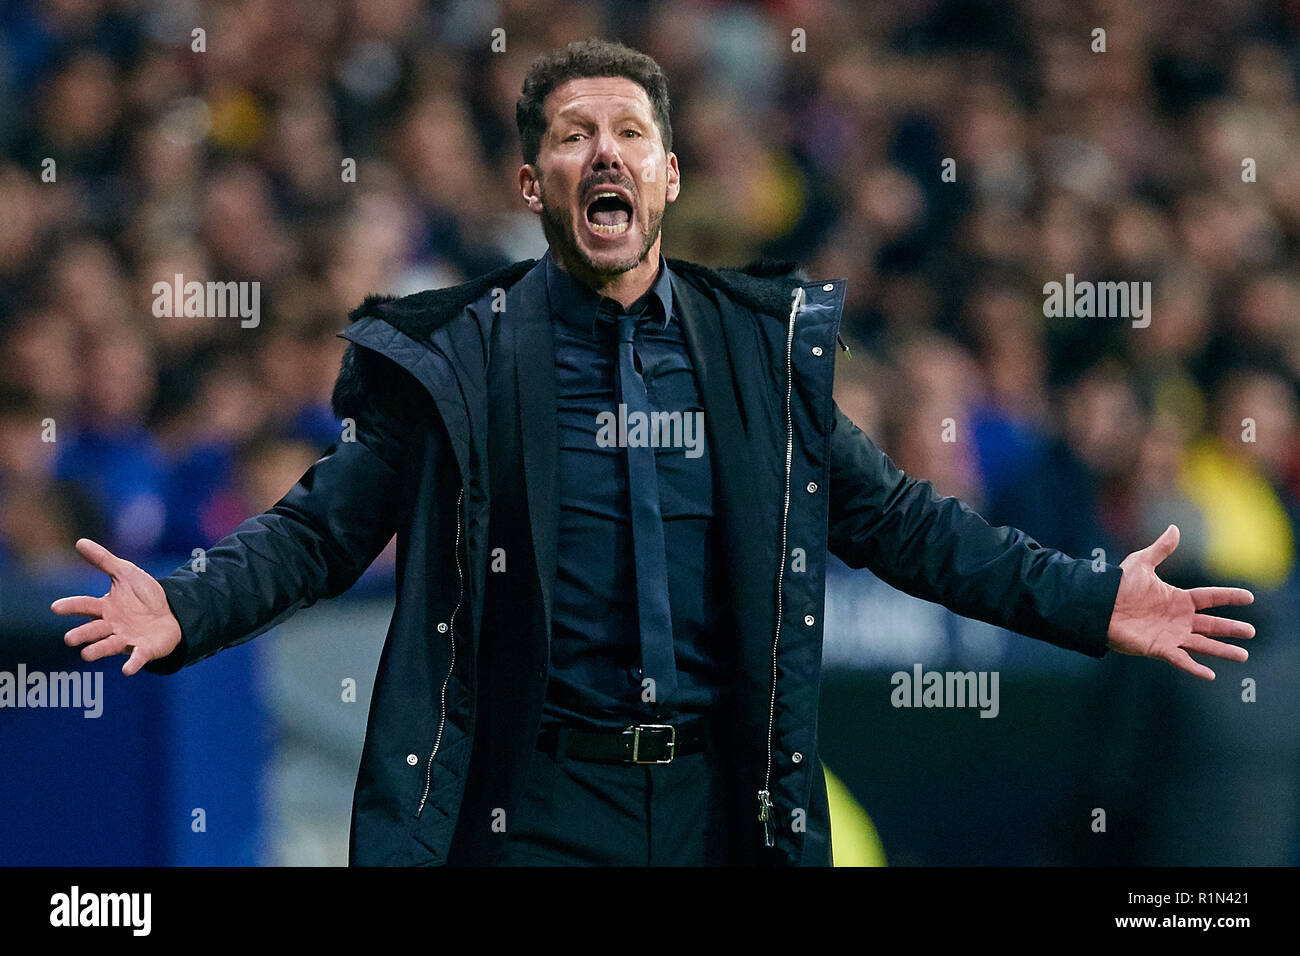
[587, 186]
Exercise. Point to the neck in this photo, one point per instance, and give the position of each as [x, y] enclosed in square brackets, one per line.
[625, 287]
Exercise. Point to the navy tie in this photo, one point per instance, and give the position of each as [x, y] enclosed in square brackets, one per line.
[653, 612]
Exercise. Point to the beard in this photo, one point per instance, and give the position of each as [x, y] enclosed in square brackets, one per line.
[557, 226]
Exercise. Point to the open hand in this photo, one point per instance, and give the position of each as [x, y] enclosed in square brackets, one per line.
[133, 618]
[1155, 619]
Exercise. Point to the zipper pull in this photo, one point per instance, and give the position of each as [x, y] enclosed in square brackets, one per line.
[765, 816]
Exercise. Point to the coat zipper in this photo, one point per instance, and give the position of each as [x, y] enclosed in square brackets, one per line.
[765, 809]
[451, 633]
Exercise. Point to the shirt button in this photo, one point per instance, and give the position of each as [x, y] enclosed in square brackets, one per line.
[797, 757]
[817, 350]
[412, 759]
[442, 627]
[828, 287]
[812, 487]
[808, 619]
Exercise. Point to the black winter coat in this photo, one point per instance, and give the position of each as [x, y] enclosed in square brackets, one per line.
[440, 383]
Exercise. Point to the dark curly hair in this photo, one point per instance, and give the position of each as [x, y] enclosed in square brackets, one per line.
[581, 59]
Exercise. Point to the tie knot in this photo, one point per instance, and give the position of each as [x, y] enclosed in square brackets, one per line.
[627, 326]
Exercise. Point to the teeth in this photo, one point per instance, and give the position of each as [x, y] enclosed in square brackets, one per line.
[608, 230]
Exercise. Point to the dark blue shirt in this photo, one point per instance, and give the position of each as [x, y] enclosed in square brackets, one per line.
[595, 642]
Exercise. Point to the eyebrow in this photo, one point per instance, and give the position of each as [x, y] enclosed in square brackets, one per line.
[578, 112]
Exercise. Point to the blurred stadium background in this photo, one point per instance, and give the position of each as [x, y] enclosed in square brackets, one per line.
[1087, 433]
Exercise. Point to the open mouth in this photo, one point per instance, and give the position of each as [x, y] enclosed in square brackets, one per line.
[609, 214]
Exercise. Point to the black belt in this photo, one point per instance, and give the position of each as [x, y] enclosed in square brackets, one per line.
[637, 744]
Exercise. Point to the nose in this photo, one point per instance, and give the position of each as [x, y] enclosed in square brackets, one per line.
[607, 155]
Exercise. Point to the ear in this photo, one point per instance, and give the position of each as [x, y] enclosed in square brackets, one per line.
[674, 184]
[530, 187]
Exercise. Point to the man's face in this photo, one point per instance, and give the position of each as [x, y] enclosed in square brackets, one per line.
[602, 178]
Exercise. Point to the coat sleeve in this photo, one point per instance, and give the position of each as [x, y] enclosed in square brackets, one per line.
[937, 548]
[315, 541]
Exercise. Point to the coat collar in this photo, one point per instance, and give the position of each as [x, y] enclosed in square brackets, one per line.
[763, 285]
[534, 360]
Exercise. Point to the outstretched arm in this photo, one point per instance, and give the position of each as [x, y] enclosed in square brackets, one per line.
[937, 548]
[311, 544]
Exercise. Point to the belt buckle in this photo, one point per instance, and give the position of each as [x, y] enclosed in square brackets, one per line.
[635, 730]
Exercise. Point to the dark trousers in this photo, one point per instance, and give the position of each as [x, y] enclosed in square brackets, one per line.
[580, 813]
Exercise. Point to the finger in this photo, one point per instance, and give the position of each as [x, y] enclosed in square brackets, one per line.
[136, 661]
[99, 556]
[1219, 597]
[1163, 546]
[1183, 661]
[1203, 645]
[81, 604]
[1212, 626]
[90, 631]
[105, 648]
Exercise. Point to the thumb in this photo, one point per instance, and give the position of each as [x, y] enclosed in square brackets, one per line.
[98, 555]
[1163, 546]
[136, 661]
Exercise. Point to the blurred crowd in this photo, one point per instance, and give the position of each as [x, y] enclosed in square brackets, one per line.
[815, 131]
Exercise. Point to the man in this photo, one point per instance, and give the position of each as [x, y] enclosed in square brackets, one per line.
[606, 646]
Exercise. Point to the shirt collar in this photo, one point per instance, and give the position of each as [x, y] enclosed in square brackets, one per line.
[580, 307]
